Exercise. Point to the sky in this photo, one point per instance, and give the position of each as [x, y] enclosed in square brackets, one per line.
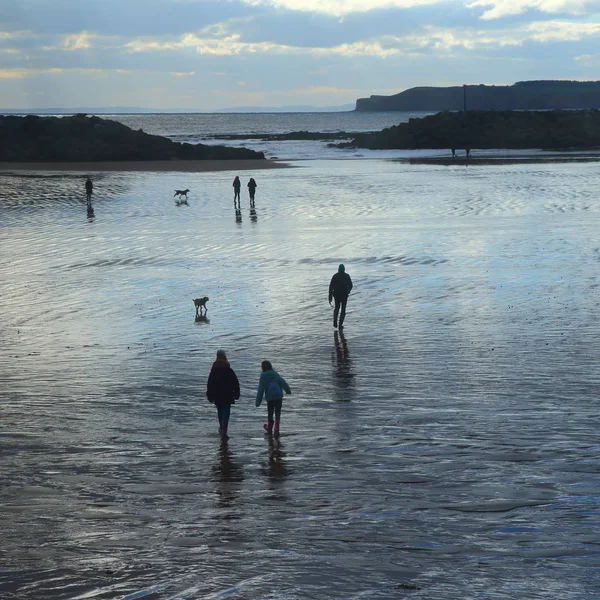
[215, 54]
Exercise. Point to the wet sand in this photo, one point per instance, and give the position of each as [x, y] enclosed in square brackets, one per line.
[186, 166]
[445, 445]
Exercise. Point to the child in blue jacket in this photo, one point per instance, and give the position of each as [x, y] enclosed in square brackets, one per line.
[271, 385]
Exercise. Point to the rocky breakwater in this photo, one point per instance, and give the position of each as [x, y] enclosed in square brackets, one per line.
[80, 138]
[546, 130]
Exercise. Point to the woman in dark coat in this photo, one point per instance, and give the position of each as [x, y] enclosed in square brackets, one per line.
[222, 389]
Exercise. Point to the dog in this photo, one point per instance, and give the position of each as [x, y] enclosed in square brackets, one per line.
[181, 193]
[200, 303]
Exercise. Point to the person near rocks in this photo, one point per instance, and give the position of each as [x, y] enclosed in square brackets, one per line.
[252, 189]
[271, 385]
[237, 186]
[222, 390]
[339, 289]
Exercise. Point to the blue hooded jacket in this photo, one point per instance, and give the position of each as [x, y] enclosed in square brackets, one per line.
[273, 391]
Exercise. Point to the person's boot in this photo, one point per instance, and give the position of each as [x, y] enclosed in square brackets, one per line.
[268, 427]
[276, 430]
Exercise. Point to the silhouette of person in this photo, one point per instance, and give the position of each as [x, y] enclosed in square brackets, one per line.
[468, 152]
[89, 189]
[252, 189]
[339, 289]
[237, 186]
[222, 390]
[453, 152]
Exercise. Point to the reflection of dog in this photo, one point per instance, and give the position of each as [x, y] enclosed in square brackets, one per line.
[181, 202]
[200, 303]
[181, 193]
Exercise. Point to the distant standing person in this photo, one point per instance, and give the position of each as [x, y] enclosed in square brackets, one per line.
[339, 289]
[222, 390]
[89, 189]
[271, 385]
[237, 186]
[252, 188]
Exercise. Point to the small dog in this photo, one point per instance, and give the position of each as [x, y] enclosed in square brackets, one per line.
[181, 193]
[200, 303]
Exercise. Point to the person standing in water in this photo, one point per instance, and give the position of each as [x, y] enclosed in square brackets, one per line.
[237, 186]
[89, 189]
[339, 289]
[252, 189]
[271, 385]
[222, 390]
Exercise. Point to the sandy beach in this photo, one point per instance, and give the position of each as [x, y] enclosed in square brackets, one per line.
[156, 166]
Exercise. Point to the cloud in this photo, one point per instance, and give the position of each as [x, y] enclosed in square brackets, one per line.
[340, 8]
[505, 8]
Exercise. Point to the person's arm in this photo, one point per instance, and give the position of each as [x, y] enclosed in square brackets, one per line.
[331, 289]
[210, 387]
[236, 385]
[349, 284]
[284, 385]
[261, 391]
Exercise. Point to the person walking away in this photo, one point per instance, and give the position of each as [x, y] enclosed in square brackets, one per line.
[237, 186]
[339, 289]
[89, 189]
[222, 390]
[252, 189]
[271, 385]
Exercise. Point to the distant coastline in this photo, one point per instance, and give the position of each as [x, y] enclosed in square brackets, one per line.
[523, 95]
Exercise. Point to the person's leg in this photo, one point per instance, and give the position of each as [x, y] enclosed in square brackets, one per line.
[226, 411]
[343, 311]
[336, 311]
[277, 405]
[220, 417]
[270, 409]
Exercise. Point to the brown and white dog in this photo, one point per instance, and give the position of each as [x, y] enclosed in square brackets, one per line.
[200, 303]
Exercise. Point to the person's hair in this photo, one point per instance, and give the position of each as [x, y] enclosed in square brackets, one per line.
[221, 353]
[266, 365]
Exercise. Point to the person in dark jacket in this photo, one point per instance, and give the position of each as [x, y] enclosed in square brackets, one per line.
[237, 186]
[252, 189]
[339, 289]
[222, 389]
[89, 189]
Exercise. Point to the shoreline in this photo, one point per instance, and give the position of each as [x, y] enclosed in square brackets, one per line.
[185, 166]
[499, 160]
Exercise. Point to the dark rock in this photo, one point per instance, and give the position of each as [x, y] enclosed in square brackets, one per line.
[90, 139]
[546, 130]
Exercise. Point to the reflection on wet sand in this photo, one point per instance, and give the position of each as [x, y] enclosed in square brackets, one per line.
[276, 469]
[343, 370]
[228, 475]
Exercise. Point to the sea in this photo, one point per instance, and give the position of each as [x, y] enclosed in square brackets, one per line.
[442, 445]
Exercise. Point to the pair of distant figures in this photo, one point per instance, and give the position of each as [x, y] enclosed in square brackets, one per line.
[467, 152]
[237, 188]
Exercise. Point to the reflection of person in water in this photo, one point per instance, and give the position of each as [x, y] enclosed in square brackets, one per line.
[226, 471]
[343, 370]
[339, 288]
[277, 469]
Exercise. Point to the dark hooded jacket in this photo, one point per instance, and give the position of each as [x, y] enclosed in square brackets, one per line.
[222, 386]
[340, 286]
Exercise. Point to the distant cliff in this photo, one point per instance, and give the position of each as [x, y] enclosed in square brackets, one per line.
[524, 95]
[547, 130]
[90, 139]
